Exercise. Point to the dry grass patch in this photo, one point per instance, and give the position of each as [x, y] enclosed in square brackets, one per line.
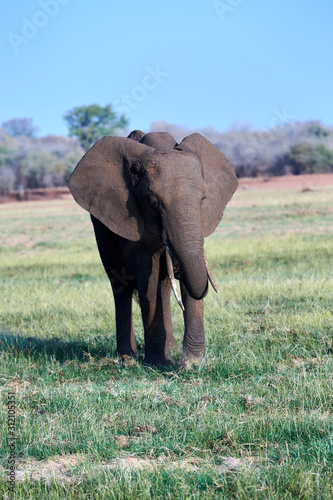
[73, 468]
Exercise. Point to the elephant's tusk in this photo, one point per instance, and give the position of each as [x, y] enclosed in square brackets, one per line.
[172, 278]
[210, 276]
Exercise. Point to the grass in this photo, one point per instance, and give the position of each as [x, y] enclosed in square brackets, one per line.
[254, 422]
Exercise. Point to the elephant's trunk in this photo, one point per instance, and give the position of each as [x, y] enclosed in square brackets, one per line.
[195, 274]
[186, 245]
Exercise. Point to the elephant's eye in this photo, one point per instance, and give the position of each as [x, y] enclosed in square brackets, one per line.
[152, 201]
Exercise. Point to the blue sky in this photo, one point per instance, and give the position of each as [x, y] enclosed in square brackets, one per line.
[195, 63]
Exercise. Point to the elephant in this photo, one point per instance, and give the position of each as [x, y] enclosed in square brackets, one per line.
[152, 202]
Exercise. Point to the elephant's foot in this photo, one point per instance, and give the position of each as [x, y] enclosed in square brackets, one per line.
[190, 358]
[188, 362]
[128, 360]
[158, 360]
[126, 352]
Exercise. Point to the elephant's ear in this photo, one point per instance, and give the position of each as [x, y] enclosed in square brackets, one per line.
[101, 184]
[136, 135]
[221, 181]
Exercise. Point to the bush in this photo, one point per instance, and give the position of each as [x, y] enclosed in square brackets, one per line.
[305, 158]
[27, 163]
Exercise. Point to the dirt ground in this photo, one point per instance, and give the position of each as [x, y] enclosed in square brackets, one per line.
[62, 468]
[287, 181]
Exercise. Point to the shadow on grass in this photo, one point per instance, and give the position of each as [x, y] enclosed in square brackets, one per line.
[56, 348]
[97, 349]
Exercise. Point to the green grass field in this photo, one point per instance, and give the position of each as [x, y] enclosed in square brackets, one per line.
[254, 422]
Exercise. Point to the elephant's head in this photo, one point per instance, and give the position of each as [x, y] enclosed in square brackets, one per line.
[149, 187]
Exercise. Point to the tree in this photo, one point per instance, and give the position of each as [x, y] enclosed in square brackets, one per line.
[321, 159]
[7, 177]
[90, 123]
[305, 158]
[318, 131]
[20, 126]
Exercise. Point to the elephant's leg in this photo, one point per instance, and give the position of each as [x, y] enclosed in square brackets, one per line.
[154, 297]
[122, 289]
[124, 324]
[122, 286]
[194, 335]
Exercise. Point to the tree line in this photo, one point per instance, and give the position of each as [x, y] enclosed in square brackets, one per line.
[28, 161]
[291, 148]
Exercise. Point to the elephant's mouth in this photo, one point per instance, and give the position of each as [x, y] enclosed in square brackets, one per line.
[175, 272]
[176, 266]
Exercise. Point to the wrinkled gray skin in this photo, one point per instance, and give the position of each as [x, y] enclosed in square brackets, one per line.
[146, 193]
